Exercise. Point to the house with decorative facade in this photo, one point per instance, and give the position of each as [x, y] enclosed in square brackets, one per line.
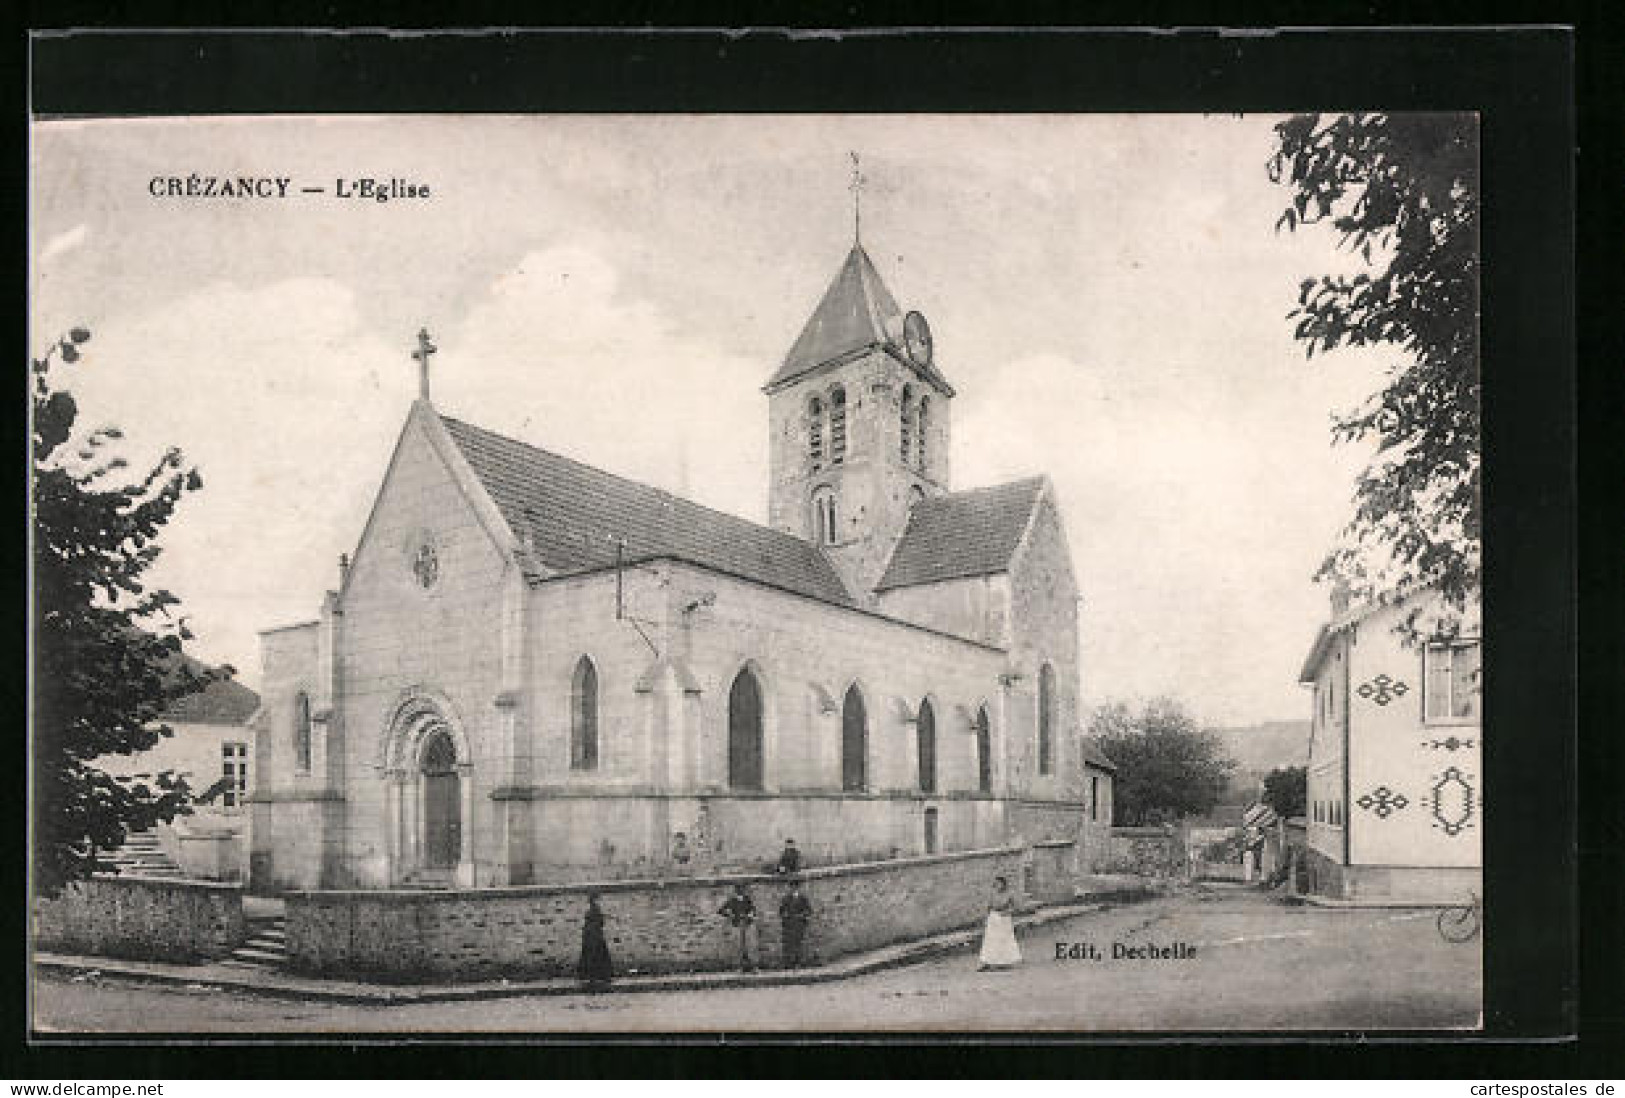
[534, 671]
[1395, 778]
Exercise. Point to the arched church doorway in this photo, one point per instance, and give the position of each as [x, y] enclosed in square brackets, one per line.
[442, 802]
[745, 732]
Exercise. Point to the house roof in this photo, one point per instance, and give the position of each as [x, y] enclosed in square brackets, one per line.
[962, 534]
[223, 701]
[1094, 756]
[856, 313]
[573, 514]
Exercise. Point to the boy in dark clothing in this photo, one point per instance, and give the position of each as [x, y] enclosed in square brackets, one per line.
[795, 911]
[740, 910]
[790, 860]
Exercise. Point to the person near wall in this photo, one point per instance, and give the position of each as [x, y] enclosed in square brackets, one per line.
[999, 947]
[795, 912]
[740, 910]
[595, 967]
[790, 860]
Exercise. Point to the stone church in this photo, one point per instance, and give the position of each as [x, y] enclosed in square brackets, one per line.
[534, 671]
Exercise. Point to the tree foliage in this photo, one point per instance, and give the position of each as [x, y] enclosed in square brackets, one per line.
[1167, 766]
[107, 657]
[1402, 191]
[1286, 789]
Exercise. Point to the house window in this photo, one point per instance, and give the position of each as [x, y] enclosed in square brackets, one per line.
[905, 449]
[815, 431]
[1450, 682]
[824, 516]
[1046, 719]
[931, 841]
[837, 426]
[584, 716]
[234, 772]
[925, 730]
[301, 732]
[922, 429]
[1094, 797]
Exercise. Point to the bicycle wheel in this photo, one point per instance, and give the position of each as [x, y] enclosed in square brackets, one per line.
[1458, 924]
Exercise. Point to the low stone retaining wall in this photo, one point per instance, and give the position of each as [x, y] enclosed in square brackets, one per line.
[652, 926]
[143, 918]
[1054, 876]
[1147, 852]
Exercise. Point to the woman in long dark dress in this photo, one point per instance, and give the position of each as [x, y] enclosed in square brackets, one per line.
[595, 968]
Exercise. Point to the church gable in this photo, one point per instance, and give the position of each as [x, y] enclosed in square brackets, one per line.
[431, 518]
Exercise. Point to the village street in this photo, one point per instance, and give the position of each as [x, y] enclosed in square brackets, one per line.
[1255, 964]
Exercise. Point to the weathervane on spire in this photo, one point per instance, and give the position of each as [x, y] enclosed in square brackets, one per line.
[856, 187]
[424, 349]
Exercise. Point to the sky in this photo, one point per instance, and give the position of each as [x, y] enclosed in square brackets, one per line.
[1107, 294]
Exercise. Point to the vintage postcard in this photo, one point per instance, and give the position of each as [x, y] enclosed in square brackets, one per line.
[756, 573]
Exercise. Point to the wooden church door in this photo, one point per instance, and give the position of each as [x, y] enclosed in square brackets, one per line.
[442, 804]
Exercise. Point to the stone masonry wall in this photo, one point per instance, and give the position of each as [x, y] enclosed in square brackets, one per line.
[1044, 629]
[143, 918]
[652, 926]
[1146, 852]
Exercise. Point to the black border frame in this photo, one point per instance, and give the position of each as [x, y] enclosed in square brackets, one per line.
[1521, 80]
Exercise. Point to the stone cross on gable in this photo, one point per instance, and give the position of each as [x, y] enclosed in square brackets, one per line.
[425, 348]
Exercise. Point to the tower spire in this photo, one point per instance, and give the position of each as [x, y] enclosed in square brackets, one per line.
[425, 348]
[856, 187]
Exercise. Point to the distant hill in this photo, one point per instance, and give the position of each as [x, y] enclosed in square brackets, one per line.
[1260, 748]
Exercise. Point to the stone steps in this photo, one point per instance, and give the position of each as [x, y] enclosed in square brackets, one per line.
[266, 948]
[142, 855]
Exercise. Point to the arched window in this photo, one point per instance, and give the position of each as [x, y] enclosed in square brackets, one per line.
[745, 732]
[824, 515]
[837, 425]
[922, 428]
[925, 730]
[906, 418]
[584, 716]
[854, 742]
[301, 731]
[984, 752]
[815, 431]
[1046, 719]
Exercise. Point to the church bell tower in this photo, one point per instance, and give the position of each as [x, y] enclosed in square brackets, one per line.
[859, 417]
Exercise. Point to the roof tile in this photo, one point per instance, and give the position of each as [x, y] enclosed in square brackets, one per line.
[962, 534]
[574, 513]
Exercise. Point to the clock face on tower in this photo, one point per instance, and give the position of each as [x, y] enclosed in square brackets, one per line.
[917, 339]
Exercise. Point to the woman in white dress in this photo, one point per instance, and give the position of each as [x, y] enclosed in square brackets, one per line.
[999, 948]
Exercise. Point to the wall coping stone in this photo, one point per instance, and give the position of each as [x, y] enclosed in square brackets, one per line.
[186, 883]
[414, 895]
[647, 792]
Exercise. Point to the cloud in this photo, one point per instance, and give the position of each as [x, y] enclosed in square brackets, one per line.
[617, 382]
[276, 395]
[64, 242]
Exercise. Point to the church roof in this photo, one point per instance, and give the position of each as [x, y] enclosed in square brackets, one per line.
[962, 534]
[857, 312]
[573, 514]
